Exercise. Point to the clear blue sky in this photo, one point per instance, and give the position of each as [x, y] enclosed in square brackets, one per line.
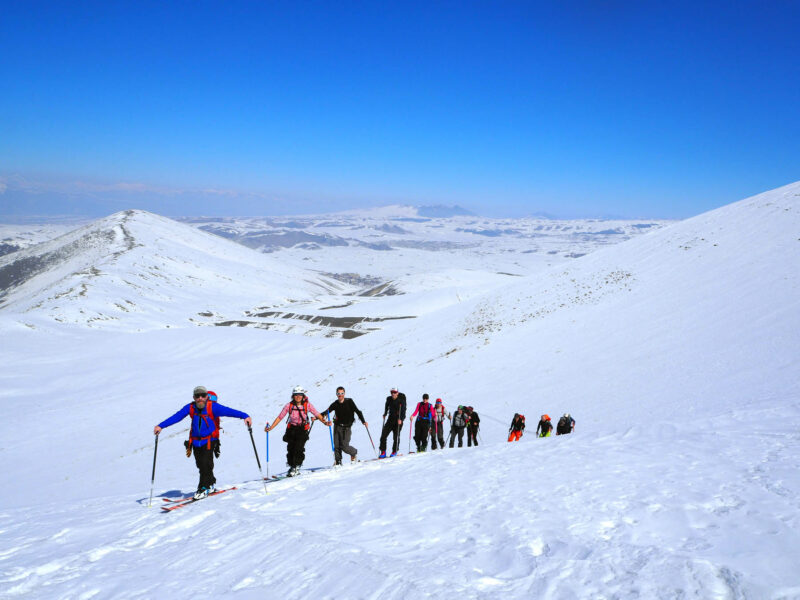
[639, 109]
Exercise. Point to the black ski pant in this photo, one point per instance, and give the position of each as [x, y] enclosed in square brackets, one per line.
[472, 436]
[457, 431]
[204, 459]
[422, 430]
[341, 442]
[295, 437]
[437, 431]
[390, 426]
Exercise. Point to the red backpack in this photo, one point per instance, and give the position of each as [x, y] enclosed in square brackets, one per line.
[210, 410]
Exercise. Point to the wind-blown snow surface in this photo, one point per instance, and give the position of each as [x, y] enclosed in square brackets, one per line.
[676, 352]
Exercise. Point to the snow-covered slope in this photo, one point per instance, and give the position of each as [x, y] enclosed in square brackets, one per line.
[676, 352]
[137, 270]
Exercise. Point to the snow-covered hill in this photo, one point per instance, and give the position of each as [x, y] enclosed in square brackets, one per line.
[676, 352]
[137, 270]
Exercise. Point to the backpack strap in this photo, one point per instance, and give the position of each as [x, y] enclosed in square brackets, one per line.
[303, 410]
[209, 415]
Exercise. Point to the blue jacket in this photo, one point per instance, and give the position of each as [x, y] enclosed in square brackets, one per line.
[202, 427]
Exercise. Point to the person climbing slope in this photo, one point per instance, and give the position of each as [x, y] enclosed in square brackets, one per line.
[394, 413]
[459, 424]
[424, 414]
[566, 424]
[473, 424]
[440, 415]
[517, 427]
[297, 427]
[346, 410]
[203, 434]
[545, 427]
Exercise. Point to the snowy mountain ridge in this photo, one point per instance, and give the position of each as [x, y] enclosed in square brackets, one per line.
[137, 269]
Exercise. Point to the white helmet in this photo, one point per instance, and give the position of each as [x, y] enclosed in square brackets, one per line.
[566, 415]
[298, 389]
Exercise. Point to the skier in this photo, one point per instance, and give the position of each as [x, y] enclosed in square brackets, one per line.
[424, 414]
[345, 409]
[473, 424]
[394, 413]
[297, 426]
[545, 427]
[437, 431]
[517, 427]
[203, 435]
[459, 423]
[566, 424]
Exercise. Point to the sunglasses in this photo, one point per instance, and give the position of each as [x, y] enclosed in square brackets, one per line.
[340, 393]
[196, 396]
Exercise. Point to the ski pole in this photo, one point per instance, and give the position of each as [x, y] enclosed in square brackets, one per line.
[410, 427]
[330, 430]
[370, 440]
[267, 454]
[250, 429]
[153, 477]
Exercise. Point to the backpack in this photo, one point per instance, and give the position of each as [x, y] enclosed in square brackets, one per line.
[210, 410]
[303, 412]
[421, 408]
[563, 425]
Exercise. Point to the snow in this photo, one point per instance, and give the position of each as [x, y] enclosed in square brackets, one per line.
[676, 351]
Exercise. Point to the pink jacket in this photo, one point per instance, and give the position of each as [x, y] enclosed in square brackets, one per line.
[298, 415]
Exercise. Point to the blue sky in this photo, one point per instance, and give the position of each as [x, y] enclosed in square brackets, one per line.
[576, 109]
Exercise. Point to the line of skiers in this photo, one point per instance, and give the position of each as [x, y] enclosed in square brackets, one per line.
[429, 425]
[566, 424]
[205, 412]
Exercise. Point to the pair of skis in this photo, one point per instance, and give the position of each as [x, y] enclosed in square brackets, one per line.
[303, 471]
[176, 503]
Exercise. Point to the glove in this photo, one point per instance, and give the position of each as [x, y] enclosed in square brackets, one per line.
[188, 445]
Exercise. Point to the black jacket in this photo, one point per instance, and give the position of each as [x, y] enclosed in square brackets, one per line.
[395, 408]
[565, 425]
[345, 412]
[517, 424]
